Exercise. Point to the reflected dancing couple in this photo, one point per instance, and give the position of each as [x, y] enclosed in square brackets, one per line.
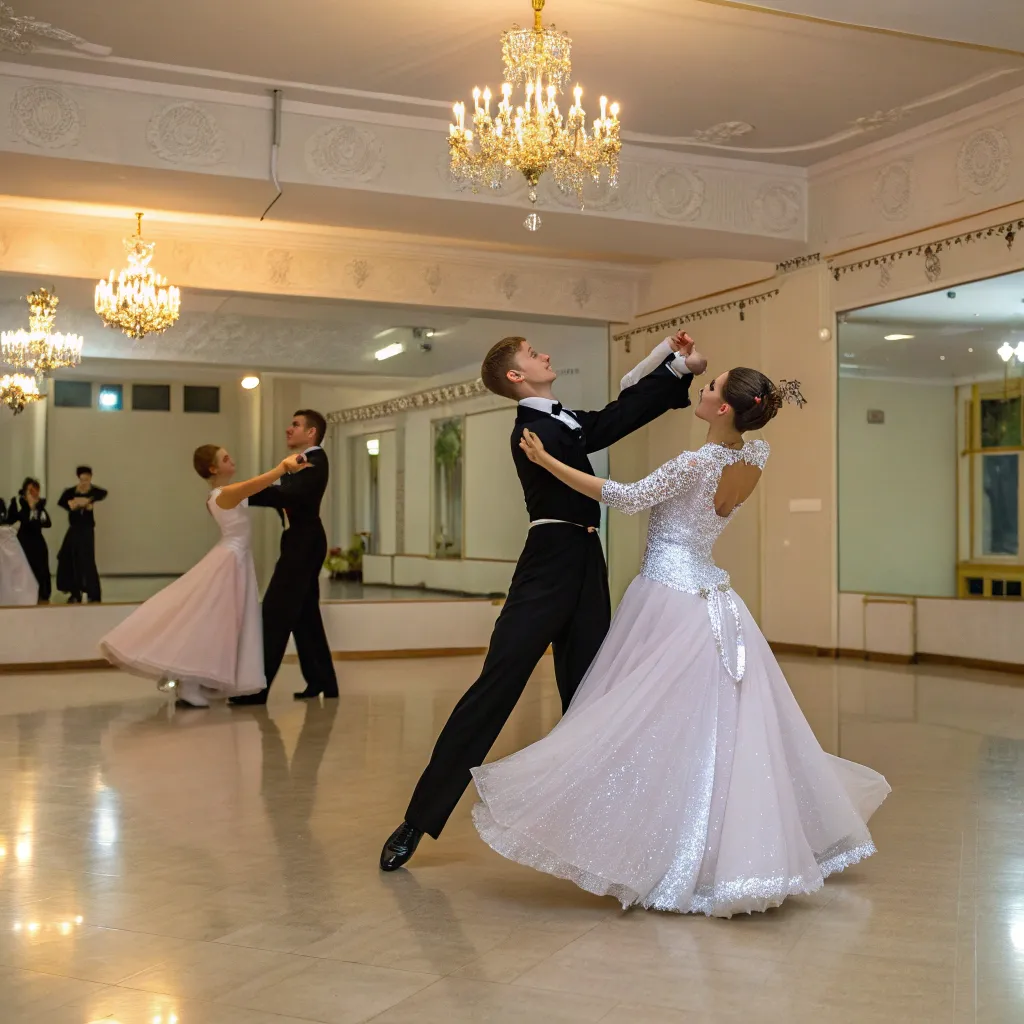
[683, 775]
[203, 636]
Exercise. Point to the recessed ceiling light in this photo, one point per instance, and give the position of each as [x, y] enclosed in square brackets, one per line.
[970, 350]
[389, 350]
[898, 337]
[942, 359]
[249, 383]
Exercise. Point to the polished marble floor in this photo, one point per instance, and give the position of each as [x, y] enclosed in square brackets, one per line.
[220, 868]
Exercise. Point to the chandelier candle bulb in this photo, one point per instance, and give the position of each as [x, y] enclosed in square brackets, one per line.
[533, 138]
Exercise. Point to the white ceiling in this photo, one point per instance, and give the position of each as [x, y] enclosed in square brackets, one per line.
[996, 23]
[677, 66]
[945, 330]
[272, 333]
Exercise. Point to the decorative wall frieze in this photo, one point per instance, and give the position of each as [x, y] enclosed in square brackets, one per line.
[205, 132]
[965, 164]
[45, 117]
[240, 255]
[674, 323]
[404, 403]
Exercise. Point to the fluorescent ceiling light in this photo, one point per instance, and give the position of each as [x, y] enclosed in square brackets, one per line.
[898, 337]
[390, 350]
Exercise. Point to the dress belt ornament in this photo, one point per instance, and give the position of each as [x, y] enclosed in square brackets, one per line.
[725, 618]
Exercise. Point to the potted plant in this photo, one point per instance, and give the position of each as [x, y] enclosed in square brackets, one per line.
[336, 564]
[354, 558]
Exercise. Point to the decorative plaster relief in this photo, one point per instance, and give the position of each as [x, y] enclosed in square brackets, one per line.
[983, 163]
[279, 265]
[676, 193]
[359, 271]
[508, 285]
[433, 277]
[345, 152]
[46, 117]
[185, 133]
[777, 206]
[893, 189]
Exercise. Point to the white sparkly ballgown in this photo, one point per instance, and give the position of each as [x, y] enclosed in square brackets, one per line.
[204, 628]
[684, 776]
[18, 584]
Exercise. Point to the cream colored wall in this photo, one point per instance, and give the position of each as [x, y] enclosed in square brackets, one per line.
[155, 518]
[897, 488]
[22, 448]
[495, 517]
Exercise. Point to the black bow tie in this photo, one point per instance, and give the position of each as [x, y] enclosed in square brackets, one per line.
[556, 408]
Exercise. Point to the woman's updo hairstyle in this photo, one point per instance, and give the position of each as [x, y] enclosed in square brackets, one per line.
[755, 399]
[204, 460]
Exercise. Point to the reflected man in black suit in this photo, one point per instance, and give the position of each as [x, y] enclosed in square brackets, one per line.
[291, 605]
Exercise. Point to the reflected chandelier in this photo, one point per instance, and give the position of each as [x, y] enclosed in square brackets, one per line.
[38, 349]
[18, 390]
[139, 301]
[533, 137]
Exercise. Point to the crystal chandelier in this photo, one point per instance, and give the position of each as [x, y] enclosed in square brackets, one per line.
[533, 137]
[38, 349]
[18, 390]
[1007, 351]
[139, 301]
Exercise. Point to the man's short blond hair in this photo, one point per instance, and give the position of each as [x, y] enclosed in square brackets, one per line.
[497, 363]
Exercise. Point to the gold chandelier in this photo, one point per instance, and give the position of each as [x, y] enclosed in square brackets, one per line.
[533, 137]
[139, 301]
[18, 390]
[38, 349]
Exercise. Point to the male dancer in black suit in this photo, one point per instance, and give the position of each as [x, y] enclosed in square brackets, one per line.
[559, 591]
[291, 604]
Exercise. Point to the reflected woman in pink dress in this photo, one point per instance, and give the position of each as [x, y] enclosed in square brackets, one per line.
[201, 636]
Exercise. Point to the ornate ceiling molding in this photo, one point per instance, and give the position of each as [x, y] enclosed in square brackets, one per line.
[24, 34]
[444, 395]
[332, 149]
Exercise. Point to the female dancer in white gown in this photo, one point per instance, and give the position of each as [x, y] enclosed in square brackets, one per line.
[684, 776]
[201, 636]
[18, 584]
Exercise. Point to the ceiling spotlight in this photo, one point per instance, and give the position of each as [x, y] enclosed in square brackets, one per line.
[942, 359]
[970, 350]
[250, 383]
[898, 337]
[389, 350]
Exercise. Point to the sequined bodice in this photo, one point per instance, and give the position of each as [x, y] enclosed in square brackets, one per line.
[683, 529]
[235, 531]
[684, 525]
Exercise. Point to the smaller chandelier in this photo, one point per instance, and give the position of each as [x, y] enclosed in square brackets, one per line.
[18, 390]
[534, 138]
[139, 301]
[39, 349]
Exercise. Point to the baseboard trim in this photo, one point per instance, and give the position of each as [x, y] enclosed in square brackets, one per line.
[807, 650]
[90, 665]
[1008, 667]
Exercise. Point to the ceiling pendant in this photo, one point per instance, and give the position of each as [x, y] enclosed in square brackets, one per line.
[17, 390]
[533, 137]
[39, 350]
[139, 301]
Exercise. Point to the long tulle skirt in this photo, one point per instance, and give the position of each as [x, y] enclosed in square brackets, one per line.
[669, 785]
[203, 628]
[18, 584]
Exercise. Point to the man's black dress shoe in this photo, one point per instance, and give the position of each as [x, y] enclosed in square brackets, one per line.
[248, 699]
[308, 694]
[400, 847]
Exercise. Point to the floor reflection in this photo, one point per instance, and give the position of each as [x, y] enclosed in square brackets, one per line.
[219, 867]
